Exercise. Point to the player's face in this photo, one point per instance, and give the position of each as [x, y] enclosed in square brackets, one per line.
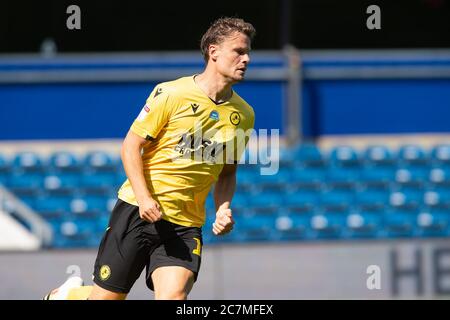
[232, 56]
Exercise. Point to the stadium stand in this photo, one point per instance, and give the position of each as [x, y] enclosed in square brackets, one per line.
[343, 193]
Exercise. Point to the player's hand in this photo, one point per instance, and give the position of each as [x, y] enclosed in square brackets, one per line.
[149, 210]
[224, 220]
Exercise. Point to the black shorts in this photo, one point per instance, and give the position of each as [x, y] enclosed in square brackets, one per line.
[130, 244]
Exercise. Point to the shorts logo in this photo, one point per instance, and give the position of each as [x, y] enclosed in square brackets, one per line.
[235, 118]
[214, 115]
[105, 272]
[198, 249]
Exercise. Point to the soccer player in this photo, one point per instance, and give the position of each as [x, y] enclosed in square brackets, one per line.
[156, 223]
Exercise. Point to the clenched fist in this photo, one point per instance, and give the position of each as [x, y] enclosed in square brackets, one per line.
[224, 220]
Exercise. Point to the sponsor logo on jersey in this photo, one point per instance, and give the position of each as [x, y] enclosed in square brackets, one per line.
[194, 107]
[158, 92]
[214, 115]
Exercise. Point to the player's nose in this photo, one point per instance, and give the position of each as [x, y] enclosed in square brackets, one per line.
[246, 59]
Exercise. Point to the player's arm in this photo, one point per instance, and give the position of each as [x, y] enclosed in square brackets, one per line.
[223, 194]
[149, 209]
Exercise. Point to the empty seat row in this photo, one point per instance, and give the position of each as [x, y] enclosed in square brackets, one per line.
[308, 153]
[311, 154]
[62, 161]
[336, 226]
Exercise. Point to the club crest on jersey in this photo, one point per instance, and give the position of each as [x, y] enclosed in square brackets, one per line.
[145, 110]
[235, 118]
[214, 115]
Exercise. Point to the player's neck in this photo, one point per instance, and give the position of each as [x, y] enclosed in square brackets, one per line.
[217, 88]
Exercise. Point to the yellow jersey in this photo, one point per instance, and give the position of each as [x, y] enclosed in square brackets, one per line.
[190, 139]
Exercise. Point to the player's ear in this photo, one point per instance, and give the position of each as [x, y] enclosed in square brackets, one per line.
[213, 52]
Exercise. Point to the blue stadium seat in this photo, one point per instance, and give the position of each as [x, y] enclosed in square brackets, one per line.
[328, 226]
[377, 177]
[89, 206]
[308, 155]
[301, 201]
[99, 231]
[406, 199]
[412, 176]
[400, 223]
[28, 161]
[121, 177]
[63, 161]
[255, 228]
[209, 203]
[59, 232]
[372, 200]
[440, 154]
[4, 178]
[440, 176]
[364, 224]
[240, 203]
[412, 154]
[62, 183]
[342, 178]
[276, 182]
[246, 178]
[310, 178]
[336, 200]
[265, 202]
[101, 183]
[437, 198]
[86, 227]
[5, 165]
[100, 161]
[52, 207]
[208, 236]
[292, 227]
[379, 155]
[95, 240]
[74, 234]
[287, 157]
[433, 223]
[26, 183]
[344, 156]
[29, 200]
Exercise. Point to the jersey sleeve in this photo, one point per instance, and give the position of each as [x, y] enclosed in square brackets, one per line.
[154, 115]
